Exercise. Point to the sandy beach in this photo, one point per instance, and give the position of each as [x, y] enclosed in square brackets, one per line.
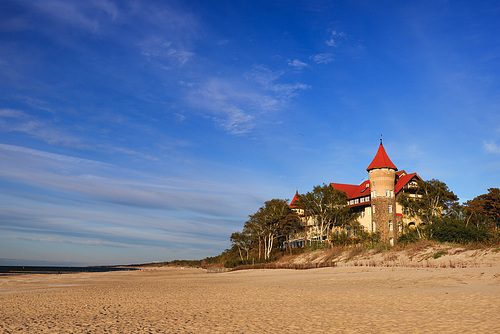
[333, 300]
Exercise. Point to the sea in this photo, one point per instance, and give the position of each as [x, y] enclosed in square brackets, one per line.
[24, 270]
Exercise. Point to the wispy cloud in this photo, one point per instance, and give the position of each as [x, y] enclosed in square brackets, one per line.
[236, 104]
[18, 121]
[268, 79]
[335, 36]
[87, 242]
[322, 58]
[297, 64]
[491, 147]
[86, 15]
[163, 54]
[108, 183]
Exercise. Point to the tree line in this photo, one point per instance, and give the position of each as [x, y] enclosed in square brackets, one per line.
[267, 233]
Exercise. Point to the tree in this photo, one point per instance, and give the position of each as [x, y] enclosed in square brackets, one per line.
[242, 241]
[328, 207]
[485, 209]
[433, 199]
[290, 223]
[267, 222]
[254, 228]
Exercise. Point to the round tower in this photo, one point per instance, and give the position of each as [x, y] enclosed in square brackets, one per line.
[382, 175]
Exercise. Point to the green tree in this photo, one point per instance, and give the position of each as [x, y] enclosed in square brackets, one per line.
[328, 207]
[242, 240]
[291, 223]
[433, 200]
[267, 222]
[485, 209]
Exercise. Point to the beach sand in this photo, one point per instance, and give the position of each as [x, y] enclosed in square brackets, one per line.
[330, 300]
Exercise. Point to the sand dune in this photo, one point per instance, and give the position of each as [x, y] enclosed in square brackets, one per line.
[335, 300]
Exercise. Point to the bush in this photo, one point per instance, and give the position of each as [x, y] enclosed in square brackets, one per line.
[439, 253]
[409, 236]
[453, 230]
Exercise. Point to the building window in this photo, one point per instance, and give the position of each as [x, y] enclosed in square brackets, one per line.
[390, 208]
[391, 241]
[400, 227]
[374, 193]
[387, 193]
[374, 226]
[390, 225]
[363, 214]
[392, 193]
[373, 208]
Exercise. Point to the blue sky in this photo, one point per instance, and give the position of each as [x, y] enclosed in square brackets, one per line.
[137, 131]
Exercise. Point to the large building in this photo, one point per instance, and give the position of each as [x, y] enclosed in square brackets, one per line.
[375, 200]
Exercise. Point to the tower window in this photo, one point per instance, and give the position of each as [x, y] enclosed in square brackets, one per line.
[390, 208]
[390, 225]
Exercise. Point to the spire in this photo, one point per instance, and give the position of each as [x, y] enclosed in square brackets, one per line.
[381, 159]
[293, 203]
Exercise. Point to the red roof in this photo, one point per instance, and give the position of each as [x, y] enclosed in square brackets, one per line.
[293, 203]
[352, 190]
[402, 180]
[381, 160]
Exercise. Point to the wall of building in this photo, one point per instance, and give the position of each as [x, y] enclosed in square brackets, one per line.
[383, 203]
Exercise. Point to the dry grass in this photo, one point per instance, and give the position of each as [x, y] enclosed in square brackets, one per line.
[423, 254]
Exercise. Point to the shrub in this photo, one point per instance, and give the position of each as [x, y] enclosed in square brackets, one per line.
[439, 253]
[410, 236]
[452, 230]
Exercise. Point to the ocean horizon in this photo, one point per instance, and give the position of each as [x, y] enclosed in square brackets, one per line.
[23, 270]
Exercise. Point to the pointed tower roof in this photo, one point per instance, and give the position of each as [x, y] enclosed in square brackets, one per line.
[293, 203]
[381, 160]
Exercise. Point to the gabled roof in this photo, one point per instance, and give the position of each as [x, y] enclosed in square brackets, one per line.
[381, 160]
[403, 179]
[352, 190]
[293, 203]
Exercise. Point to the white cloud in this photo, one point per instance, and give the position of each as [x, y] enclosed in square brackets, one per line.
[163, 54]
[83, 14]
[297, 64]
[322, 58]
[235, 104]
[491, 147]
[18, 121]
[11, 113]
[334, 37]
[269, 81]
[111, 184]
[227, 103]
